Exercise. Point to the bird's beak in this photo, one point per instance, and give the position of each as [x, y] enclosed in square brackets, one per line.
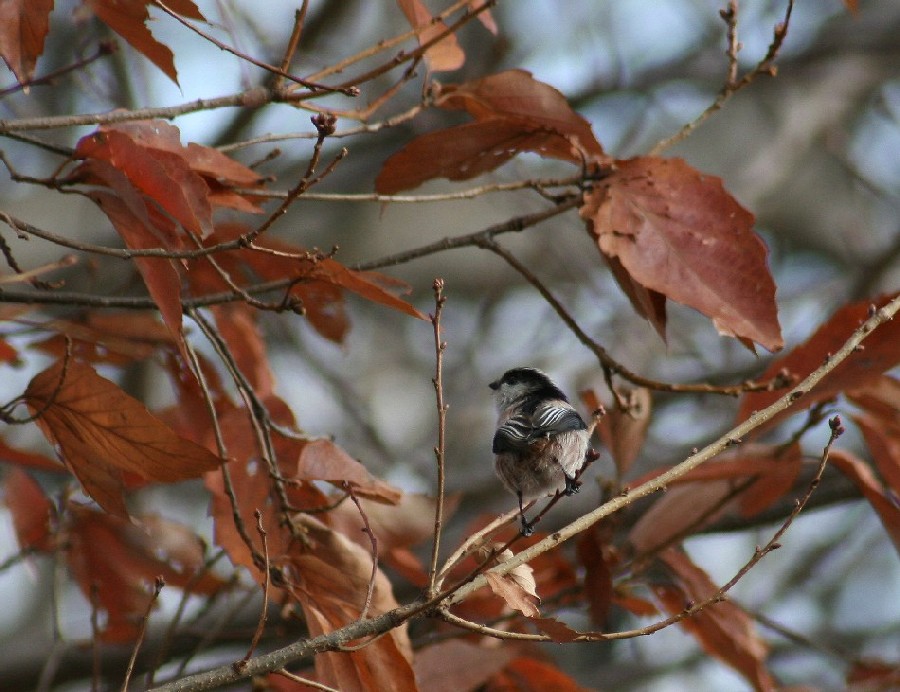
[495, 385]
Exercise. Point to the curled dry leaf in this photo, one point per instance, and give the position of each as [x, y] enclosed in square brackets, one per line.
[517, 587]
[878, 354]
[23, 27]
[100, 432]
[677, 233]
[723, 629]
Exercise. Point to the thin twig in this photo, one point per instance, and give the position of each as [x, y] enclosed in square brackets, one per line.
[157, 589]
[104, 48]
[312, 86]
[261, 623]
[439, 347]
[732, 85]
[293, 42]
[256, 97]
[373, 540]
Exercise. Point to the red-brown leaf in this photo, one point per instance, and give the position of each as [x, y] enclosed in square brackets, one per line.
[369, 285]
[883, 440]
[119, 561]
[116, 338]
[444, 55]
[11, 455]
[467, 151]
[23, 27]
[677, 232]
[598, 577]
[128, 18]
[332, 581]
[161, 175]
[30, 509]
[160, 274]
[723, 630]
[516, 96]
[879, 354]
[862, 476]
[325, 461]
[99, 428]
[458, 666]
[880, 398]
[623, 432]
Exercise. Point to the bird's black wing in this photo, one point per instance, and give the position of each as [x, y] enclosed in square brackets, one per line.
[553, 419]
[513, 436]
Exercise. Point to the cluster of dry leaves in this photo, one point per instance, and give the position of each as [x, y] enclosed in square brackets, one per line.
[303, 516]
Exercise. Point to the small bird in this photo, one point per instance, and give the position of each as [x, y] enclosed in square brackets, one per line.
[541, 441]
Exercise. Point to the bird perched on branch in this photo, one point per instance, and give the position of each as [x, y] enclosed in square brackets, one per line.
[541, 442]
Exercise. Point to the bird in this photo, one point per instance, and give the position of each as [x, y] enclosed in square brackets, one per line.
[541, 442]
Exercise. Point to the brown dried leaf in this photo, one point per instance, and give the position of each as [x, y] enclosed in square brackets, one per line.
[591, 549]
[466, 151]
[883, 440]
[516, 96]
[560, 631]
[30, 509]
[23, 27]
[517, 587]
[11, 455]
[880, 398]
[101, 431]
[117, 562]
[861, 474]
[684, 509]
[444, 55]
[624, 432]
[332, 580]
[458, 666]
[160, 275]
[323, 460]
[879, 354]
[723, 630]
[369, 285]
[677, 232]
[163, 176]
[128, 18]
